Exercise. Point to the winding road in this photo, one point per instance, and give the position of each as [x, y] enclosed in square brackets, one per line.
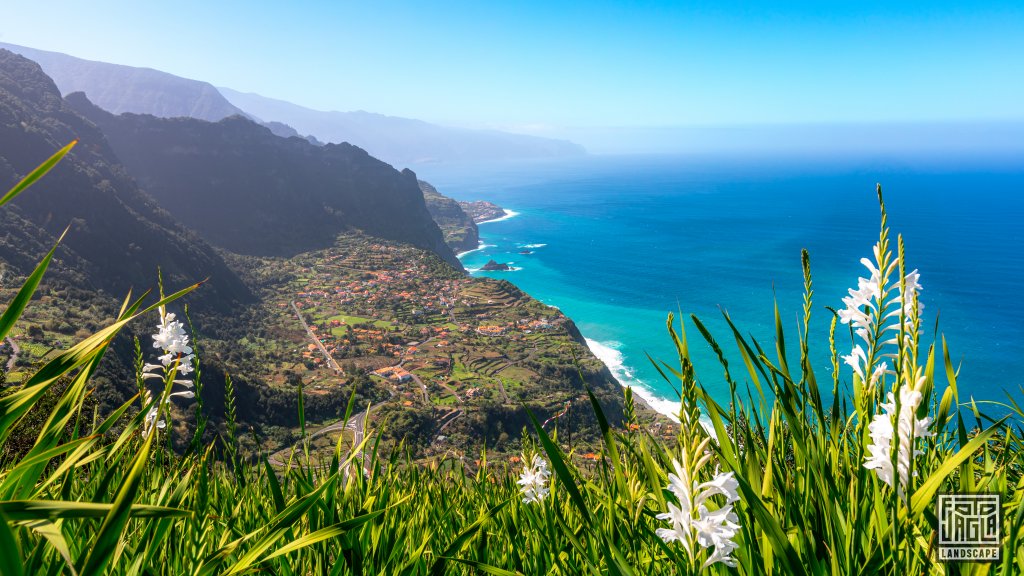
[357, 423]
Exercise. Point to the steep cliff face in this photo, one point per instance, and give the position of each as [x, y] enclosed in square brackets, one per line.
[251, 192]
[459, 230]
[119, 236]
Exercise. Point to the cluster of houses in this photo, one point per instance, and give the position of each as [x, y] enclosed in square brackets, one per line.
[524, 325]
[394, 373]
[408, 293]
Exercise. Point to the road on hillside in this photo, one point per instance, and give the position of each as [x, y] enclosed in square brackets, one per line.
[415, 378]
[316, 340]
[14, 354]
[357, 423]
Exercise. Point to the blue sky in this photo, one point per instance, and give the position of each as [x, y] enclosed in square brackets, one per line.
[541, 66]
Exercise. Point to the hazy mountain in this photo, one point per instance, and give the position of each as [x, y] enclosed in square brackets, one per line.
[402, 141]
[399, 141]
[127, 89]
[119, 236]
[251, 192]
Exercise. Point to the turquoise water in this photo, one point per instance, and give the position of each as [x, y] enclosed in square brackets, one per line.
[618, 243]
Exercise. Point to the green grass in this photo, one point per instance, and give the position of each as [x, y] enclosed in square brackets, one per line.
[445, 400]
[353, 320]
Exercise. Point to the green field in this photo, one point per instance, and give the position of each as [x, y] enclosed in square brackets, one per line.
[354, 320]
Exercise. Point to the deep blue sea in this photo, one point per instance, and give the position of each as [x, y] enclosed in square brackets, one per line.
[619, 242]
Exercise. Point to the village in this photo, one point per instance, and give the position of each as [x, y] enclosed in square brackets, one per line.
[441, 344]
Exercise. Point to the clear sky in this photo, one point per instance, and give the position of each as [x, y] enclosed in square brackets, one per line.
[537, 66]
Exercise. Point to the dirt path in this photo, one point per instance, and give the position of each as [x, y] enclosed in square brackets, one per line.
[451, 417]
[451, 391]
[14, 354]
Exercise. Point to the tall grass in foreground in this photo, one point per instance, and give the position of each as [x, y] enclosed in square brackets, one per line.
[786, 484]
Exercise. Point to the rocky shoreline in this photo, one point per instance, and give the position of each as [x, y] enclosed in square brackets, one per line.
[456, 218]
[482, 211]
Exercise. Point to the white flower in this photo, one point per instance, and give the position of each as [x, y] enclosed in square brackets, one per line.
[869, 306]
[881, 442]
[691, 521]
[856, 359]
[151, 422]
[717, 528]
[533, 480]
[907, 429]
[679, 483]
[679, 525]
[172, 339]
[913, 282]
[724, 484]
[864, 304]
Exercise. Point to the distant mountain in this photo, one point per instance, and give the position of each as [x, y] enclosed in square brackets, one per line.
[119, 236]
[253, 193]
[120, 89]
[398, 141]
[402, 141]
[286, 131]
[459, 230]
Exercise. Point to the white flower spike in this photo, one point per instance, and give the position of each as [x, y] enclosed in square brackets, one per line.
[173, 341]
[691, 522]
[907, 430]
[534, 479]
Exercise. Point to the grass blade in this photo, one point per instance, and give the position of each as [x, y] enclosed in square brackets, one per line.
[21, 300]
[38, 173]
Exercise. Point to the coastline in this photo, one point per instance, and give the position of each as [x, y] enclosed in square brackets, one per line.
[508, 214]
[608, 355]
[612, 358]
[480, 246]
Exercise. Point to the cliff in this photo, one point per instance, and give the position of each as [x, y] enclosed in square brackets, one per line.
[119, 236]
[253, 193]
[459, 230]
[128, 89]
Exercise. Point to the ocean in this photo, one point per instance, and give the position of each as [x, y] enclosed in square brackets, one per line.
[617, 243]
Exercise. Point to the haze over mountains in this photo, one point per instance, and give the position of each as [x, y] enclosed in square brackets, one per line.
[254, 193]
[263, 218]
[211, 189]
[398, 141]
[118, 89]
[118, 236]
[402, 140]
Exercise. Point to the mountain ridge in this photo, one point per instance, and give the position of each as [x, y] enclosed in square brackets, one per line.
[401, 140]
[118, 88]
[251, 192]
[119, 235]
[460, 231]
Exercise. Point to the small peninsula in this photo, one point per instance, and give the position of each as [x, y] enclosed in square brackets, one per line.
[482, 211]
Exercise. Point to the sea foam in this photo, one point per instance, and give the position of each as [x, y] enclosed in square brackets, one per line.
[508, 214]
[479, 246]
[612, 358]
